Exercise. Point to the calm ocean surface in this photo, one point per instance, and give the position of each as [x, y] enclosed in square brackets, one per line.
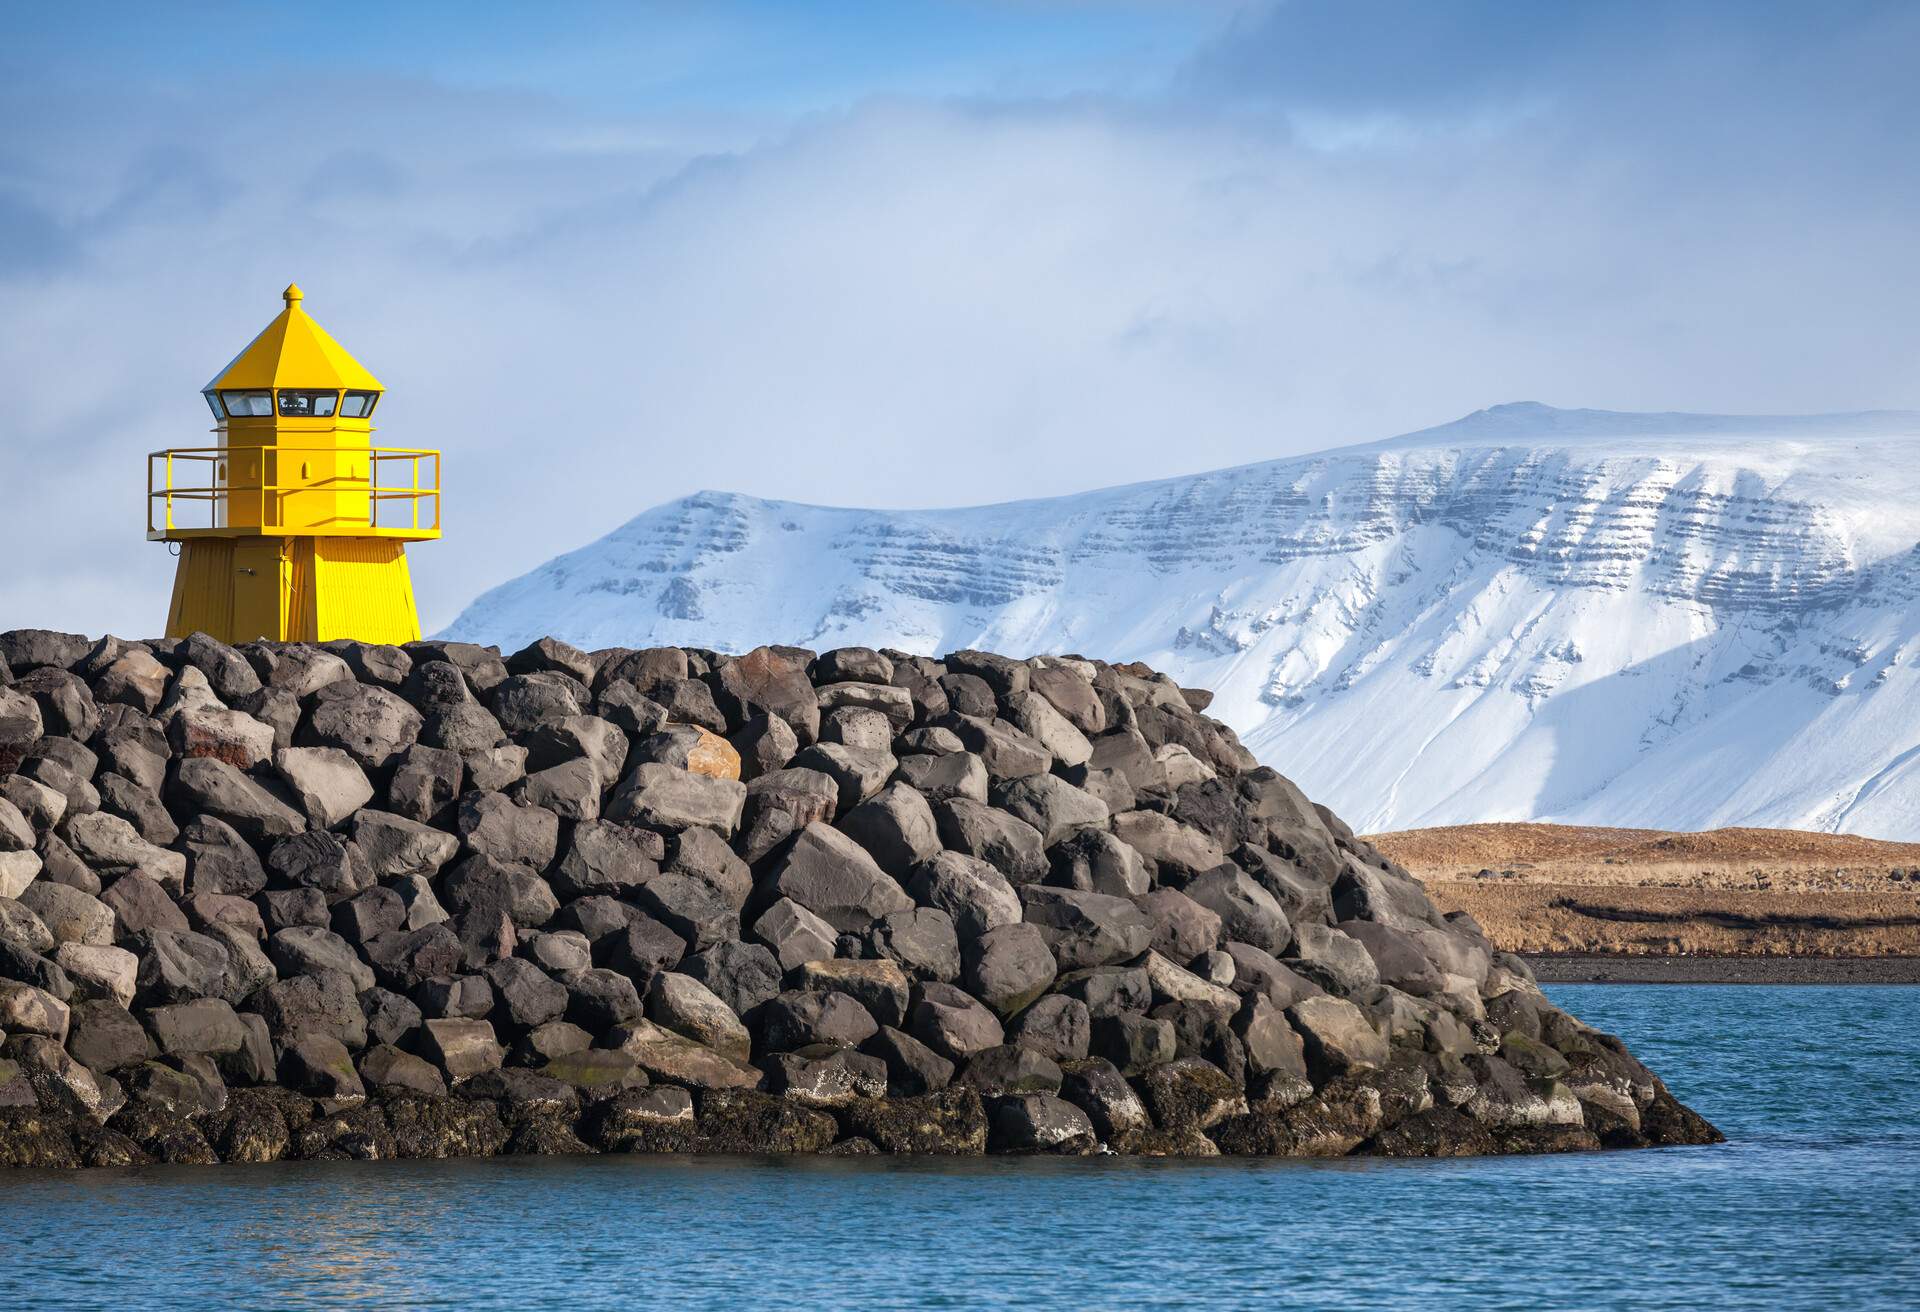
[1814, 1202]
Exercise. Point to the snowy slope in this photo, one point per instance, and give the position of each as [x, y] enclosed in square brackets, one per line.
[1680, 621]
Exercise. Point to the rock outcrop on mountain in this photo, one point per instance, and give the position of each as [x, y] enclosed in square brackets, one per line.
[350, 901]
[1664, 621]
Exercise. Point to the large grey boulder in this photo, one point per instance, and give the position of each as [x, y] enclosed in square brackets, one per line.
[20, 927]
[527, 997]
[370, 724]
[482, 886]
[1096, 1086]
[321, 861]
[765, 743]
[666, 797]
[326, 783]
[606, 857]
[858, 772]
[1332, 960]
[70, 915]
[950, 774]
[578, 736]
[881, 987]
[105, 1037]
[494, 826]
[25, 1009]
[1248, 913]
[831, 875]
[1086, 929]
[687, 1007]
[774, 681]
[954, 1023]
[571, 790]
[896, 828]
[67, 708]
[794, 934]
[205, 786]
[180, 966]
[742, 975]
[463, 1048]
[204, 1027]
[921, 940]
[373, 662]
[799, 1018]
[140, 906]
[1397, 957]
[779, 804]
[598, 999]
[1008, 967]
[111, 846]
[1004, 749]
[310, 950]
[894, 703]
[394, 847]
[300, 669]
[219, 860]
[554, 655]
[25, 650]
[212, 730]
[27, 808]
[137, 806]
[827, 1076]
[1011, 846]
[1071, 693]
[1051, 805]
[691, 908]
[1041, 721]
[99, 971]
[1057, 1027]
[912, 1067]
[670, 1058]
[973, 894]
[1040, 1123]
[526, 701]
[21, 726]
[1176, 849]
[426, 782]
[18, 870]
[1337, 1035]
[1182, 928]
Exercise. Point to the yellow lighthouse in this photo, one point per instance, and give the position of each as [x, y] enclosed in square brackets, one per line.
[294, 527]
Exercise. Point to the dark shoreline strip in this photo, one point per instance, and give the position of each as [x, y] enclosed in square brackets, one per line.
[1597, 969]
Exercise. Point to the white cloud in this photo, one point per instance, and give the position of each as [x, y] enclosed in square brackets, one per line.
[909, 302]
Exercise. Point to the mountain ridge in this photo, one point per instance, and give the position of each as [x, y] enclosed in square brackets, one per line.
[1437, 628]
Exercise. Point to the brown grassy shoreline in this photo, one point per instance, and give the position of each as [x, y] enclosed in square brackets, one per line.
[1730, 905]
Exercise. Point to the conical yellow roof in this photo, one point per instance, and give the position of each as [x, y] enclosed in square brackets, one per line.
[294, 351]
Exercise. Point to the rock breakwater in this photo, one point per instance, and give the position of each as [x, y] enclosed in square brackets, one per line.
[285, 901]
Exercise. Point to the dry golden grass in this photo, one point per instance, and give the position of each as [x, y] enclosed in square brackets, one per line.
[1736, 892]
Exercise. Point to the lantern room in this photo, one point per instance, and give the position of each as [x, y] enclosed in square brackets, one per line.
[293, 525]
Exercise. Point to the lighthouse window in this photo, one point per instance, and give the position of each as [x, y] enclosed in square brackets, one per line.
[245, 405]
[213, 404]
[358, 405]
[307, 405]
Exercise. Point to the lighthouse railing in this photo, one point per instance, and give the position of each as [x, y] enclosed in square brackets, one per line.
[317, 500]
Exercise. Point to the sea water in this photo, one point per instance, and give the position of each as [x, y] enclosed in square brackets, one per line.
[1813, 1202]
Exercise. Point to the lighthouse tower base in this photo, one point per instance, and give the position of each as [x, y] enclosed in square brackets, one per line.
[294, 589]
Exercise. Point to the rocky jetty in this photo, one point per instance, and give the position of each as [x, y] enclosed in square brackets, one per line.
[284, 901]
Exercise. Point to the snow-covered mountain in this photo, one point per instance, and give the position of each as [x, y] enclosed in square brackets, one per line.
[1669, 620]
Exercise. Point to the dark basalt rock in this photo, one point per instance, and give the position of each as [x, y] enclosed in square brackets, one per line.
[360, 902]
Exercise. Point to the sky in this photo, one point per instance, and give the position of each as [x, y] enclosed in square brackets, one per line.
[938, 253]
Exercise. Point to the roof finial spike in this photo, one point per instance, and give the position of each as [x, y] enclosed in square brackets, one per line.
[291, 294]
